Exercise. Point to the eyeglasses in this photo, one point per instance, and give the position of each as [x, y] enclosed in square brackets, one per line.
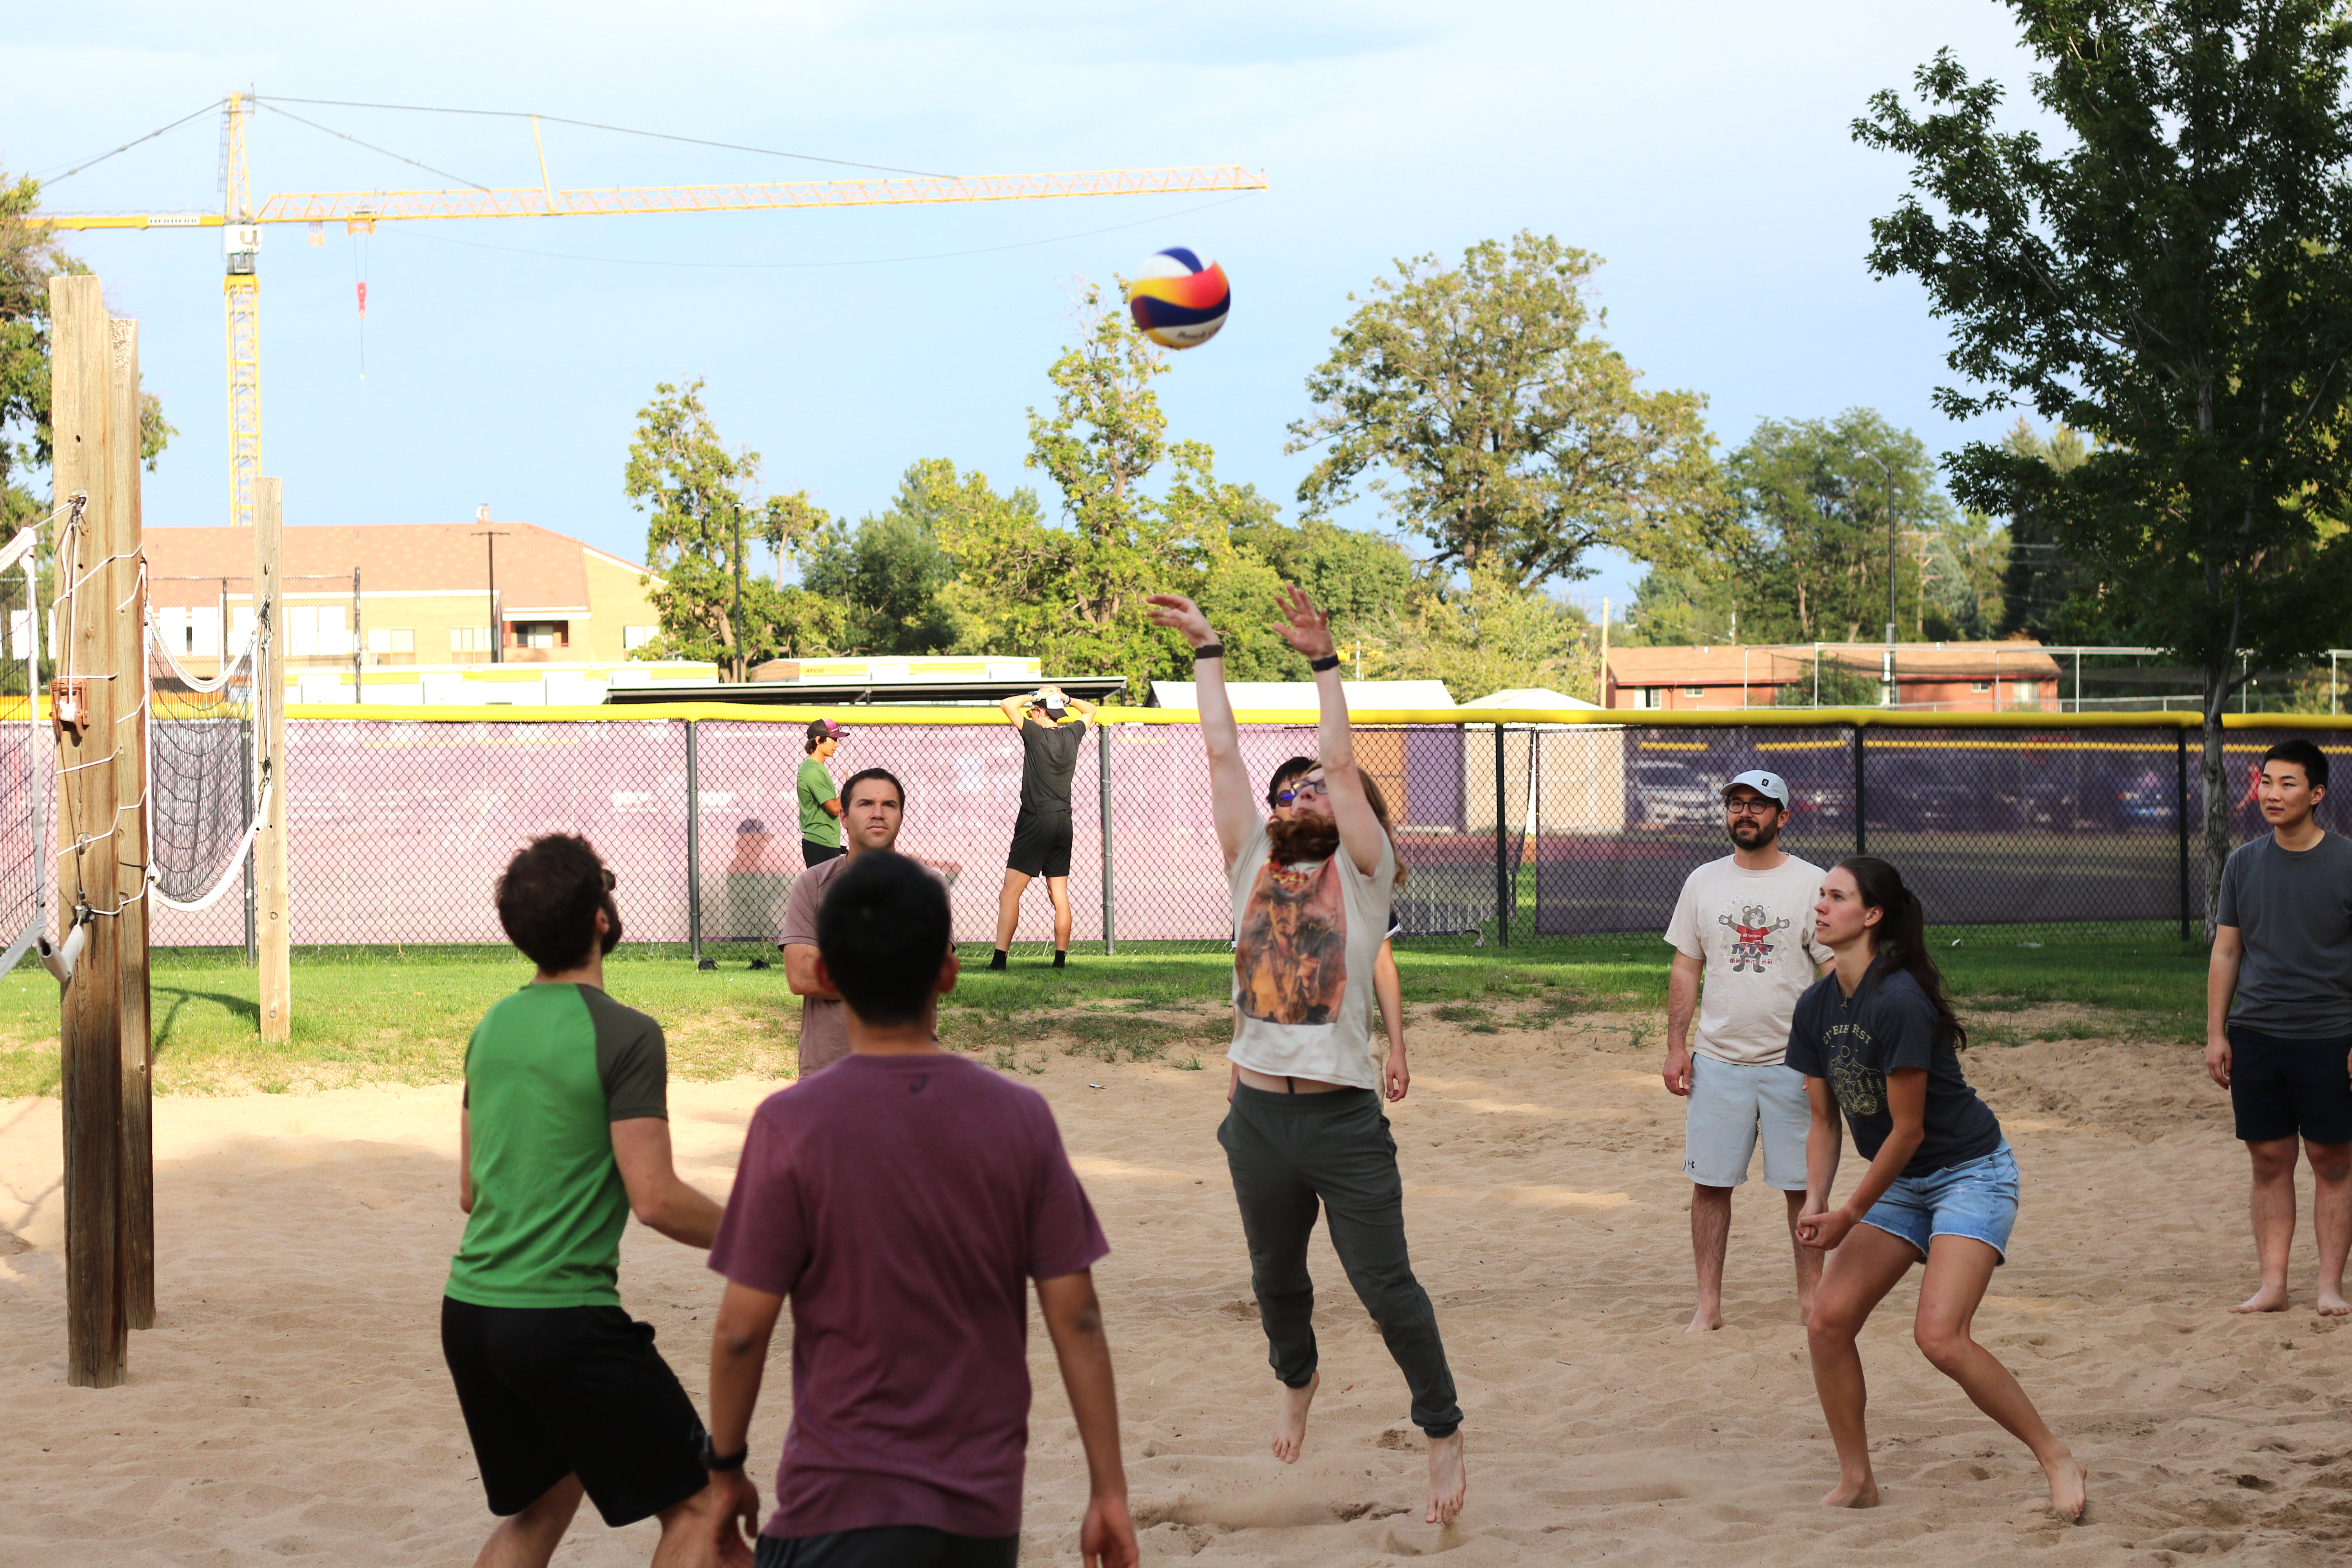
[1750, 807]
[1304, 786]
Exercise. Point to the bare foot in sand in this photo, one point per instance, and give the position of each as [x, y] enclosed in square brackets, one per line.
[2332, 1304]
[2269, 1298]
[1290, 1420]
[2069, 1487]
[1863, 1493]
[1449, 1478]
[1704, 1319]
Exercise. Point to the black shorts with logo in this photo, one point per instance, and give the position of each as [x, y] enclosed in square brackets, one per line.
[1041, 844]
[550, 1392]
[2280, 1087]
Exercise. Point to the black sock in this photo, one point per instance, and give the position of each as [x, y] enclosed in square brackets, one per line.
[997, 959]
[1059, 954]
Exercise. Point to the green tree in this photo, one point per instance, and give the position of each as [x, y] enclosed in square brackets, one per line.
[30, 258]
[1487, 634]
[2175, 280]
[706, 521]
[2045, 593]
[1504, 431]
[889, 574]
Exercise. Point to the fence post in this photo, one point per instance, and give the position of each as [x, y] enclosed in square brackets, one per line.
[1503, 881]
[1102, 771]
[693, 849]
[1861, 800]
[2180, 817]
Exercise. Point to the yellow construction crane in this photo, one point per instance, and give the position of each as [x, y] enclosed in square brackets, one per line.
[360, 210]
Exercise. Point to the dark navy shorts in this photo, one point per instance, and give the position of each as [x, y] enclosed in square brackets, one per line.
[2281, 1088]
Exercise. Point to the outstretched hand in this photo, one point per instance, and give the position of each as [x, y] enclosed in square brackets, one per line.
[1302, 626]
[1181, 615]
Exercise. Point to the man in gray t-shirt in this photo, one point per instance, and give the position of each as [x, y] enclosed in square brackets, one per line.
[2278, 1019]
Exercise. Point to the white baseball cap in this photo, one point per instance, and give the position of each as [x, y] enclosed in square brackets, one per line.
[1771, 787]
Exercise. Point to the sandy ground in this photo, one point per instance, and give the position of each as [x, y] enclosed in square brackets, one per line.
[290, 1406]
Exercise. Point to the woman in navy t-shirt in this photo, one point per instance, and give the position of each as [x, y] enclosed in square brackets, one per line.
[1878, 1041]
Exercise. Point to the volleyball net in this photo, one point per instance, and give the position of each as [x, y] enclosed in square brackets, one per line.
[205, 791]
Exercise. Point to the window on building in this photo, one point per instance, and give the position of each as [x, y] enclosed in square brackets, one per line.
[539, 634]
[1652, 696]
[469, 639]
[635, 637]
[1694, 691]
[391, 639]
[1979, 686]
[2029, 690]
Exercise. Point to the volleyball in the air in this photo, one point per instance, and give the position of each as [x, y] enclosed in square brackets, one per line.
[1178, 301]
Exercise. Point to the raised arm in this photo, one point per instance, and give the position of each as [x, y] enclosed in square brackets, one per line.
[1309, 630]
[1081, 707]
[1229, 784]
[1015, 706]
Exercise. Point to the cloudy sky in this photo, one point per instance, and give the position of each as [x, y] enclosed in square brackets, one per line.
[1703, 150]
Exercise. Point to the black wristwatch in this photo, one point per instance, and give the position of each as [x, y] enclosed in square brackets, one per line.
[1328, 661]
[717, 1461]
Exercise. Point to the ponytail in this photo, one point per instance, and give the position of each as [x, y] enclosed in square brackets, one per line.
[1900, 938]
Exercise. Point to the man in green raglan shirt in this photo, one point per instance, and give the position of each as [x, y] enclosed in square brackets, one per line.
[564, 1134]
[820, 803]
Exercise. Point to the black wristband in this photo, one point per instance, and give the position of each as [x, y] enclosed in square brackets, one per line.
[1328, 661]
[1208, 651]
[711, 1461]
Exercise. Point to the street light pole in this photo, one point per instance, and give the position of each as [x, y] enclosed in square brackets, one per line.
[489, 538]
[1886, 484]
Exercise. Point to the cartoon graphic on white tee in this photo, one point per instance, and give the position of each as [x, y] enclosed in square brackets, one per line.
[1752, 927]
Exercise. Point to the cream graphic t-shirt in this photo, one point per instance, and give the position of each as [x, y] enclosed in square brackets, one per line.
[1306, 937]
[1753, 931]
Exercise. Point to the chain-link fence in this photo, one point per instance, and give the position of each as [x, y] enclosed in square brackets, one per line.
[1516, 834]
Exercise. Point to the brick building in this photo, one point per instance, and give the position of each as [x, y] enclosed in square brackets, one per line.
[1952, 678]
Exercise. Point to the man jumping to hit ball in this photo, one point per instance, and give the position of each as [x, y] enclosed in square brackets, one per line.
[1310, 908]
[1052, 724]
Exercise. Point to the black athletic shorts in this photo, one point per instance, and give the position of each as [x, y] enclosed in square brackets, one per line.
[2280, 1087]
[550, 1392]
[1041, 844]
[815, 854]
[888, 1546]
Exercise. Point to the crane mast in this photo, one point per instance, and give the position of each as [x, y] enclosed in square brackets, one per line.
[241, 301]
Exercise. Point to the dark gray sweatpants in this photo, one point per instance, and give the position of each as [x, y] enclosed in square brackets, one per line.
[1290, 1153]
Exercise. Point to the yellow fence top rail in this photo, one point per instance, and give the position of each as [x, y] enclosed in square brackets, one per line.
[856, 717]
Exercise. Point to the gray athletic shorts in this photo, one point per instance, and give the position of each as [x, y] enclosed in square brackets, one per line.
[1730, 1104]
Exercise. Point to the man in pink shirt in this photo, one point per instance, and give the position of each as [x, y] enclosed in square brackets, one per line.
[903, 1199]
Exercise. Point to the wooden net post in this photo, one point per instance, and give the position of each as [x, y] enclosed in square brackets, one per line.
[128, 612]
[90, 1037]
[273, 930]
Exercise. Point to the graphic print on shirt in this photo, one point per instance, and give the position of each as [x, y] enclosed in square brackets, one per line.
[1290, 963]
[1753, 928]
[1861, 1089]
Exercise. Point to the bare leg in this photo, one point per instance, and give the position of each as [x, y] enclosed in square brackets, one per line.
[1710, 1237]
[1290, 1419]
[1008, 908]
[527, 1540]
[1449, 1478]
[1809, 1260]
[2331, 1220]
[690, 1529]
[1059, 889]
[1868, 1263]
[1958, 1270]
[2273, 1207]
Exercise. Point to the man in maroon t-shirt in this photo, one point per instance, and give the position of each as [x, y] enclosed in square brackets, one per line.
[903, 1198]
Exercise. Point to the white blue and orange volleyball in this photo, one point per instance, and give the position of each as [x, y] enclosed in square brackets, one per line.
[1178, 299]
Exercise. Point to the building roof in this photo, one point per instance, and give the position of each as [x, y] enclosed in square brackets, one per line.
[1300, 694]
[1781, 665]
[539, 569]
[1528, 697]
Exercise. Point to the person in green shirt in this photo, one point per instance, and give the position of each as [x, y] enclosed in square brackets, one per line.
[820, 801]
[564, 1134]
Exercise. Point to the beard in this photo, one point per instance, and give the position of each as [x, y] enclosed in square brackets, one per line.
[1760, 836]
[1298, 837]
[611, 938]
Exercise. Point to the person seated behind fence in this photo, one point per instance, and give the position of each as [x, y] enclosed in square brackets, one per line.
[563, 1133]
[904, 1200]
[874, 810]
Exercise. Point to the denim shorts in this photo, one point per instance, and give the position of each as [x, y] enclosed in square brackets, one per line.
[1977, 1198]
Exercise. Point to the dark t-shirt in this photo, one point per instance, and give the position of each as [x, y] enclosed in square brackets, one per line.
[2293, 910]
[1049, 755]
[904, 1203]
[1887, 1024]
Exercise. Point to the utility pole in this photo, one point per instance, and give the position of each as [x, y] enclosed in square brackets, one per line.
[273, 914]
[490, 537]
[1886, 488]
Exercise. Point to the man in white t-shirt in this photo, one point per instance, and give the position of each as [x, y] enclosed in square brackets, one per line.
[1745, 923]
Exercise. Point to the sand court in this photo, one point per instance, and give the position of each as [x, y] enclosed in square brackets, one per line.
[291, 1406]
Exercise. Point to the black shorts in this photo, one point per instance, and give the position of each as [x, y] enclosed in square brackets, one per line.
[815, 854]
[550, 1392]
[2280, 1087]
[1041, 844]
[888, 1546]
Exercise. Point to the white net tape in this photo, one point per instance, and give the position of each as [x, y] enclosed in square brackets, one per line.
[203, 804]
